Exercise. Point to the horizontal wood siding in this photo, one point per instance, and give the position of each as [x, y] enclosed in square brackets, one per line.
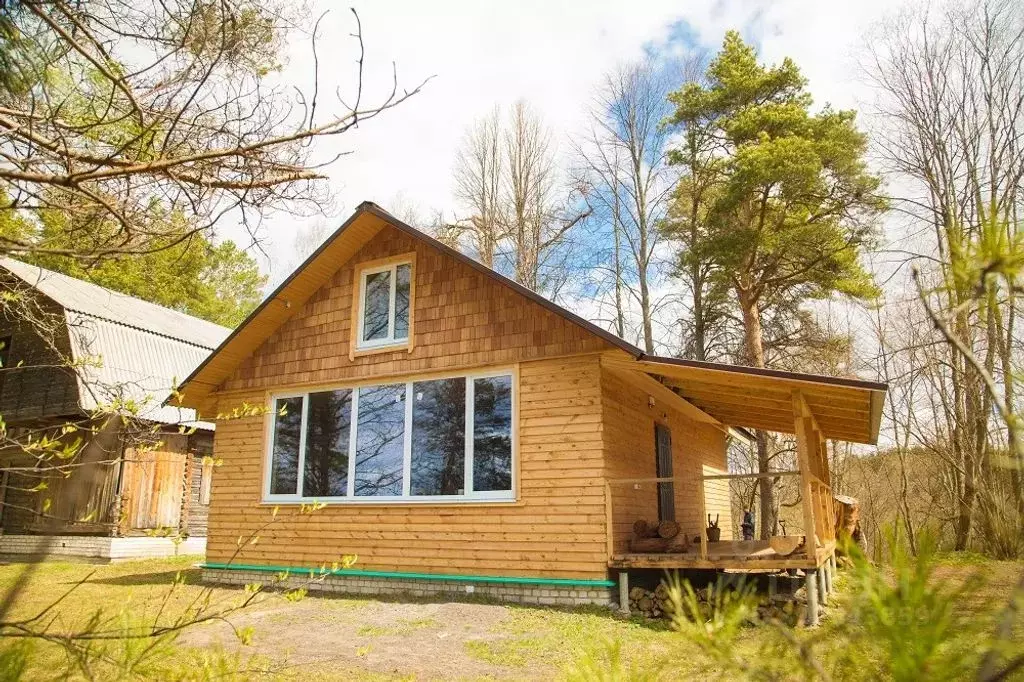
[630, 453]
[461, 319]
[556, 529]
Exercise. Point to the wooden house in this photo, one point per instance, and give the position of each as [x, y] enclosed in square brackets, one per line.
[465, 434]
[94, 367]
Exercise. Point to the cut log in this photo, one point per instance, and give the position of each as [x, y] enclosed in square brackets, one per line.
[668, 529]
[848, 521]
[642, 545]
[641, 529]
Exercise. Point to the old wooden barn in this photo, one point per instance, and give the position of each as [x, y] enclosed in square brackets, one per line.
[102, 363]
[466, 434]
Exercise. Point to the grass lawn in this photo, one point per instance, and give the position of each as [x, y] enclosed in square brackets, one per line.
[337, 638]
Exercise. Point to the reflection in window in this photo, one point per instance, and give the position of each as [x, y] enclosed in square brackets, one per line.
[284, 466]
[325, 472]
[380, 434]
[438, 437]
[492, 433]
[402, 273]
[377, 305]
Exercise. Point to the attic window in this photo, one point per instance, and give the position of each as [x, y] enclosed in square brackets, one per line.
[385, 293]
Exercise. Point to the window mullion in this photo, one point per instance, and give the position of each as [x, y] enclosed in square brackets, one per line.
[468, 471]
[362, 308]
[300, 466]
[352, 435]
[392, 300]
[407, 444]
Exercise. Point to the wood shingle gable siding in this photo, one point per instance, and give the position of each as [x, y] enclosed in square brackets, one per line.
[460, 319]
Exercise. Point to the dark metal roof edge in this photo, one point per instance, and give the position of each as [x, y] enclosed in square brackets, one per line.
[273, 295]
[769, 373]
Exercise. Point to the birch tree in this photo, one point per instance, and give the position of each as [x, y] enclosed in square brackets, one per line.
[624, 158]
[478, 185]
[507, 174]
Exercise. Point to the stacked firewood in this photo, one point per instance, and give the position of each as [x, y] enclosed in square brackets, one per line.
[650, 604]
[784, 608]
[656, 537]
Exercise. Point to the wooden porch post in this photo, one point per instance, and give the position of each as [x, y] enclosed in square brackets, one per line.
[802, 424]
[703, 516]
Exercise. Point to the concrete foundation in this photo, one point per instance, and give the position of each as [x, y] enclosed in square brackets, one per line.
[94, 548]
[518, 593]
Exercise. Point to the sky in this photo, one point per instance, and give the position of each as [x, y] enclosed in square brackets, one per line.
[552, 53]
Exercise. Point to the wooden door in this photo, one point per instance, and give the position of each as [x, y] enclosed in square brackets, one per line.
[666, 491]
[153, 489]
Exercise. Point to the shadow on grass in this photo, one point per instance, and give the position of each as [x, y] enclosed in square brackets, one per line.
[191, 576]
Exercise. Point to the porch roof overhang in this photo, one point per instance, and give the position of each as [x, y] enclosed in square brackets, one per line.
[750, 397]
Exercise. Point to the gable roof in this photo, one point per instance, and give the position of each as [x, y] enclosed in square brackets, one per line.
[144, 348]
[97, 301]
[368, 219]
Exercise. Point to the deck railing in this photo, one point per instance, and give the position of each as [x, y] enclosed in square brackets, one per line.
[820, 525]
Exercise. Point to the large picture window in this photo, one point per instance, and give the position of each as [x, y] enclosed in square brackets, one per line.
[384, 304]
[441, 439]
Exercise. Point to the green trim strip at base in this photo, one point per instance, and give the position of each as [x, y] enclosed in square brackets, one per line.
[566, 582]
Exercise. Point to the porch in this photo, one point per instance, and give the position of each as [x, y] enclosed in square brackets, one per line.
[810, 407]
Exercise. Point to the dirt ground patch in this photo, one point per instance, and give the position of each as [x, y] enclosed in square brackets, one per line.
[428, 641]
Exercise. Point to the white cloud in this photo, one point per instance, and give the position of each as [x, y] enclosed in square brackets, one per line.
[551, 53]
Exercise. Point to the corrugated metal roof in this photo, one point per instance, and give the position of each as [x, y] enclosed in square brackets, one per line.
[92, 299]
[130, 349]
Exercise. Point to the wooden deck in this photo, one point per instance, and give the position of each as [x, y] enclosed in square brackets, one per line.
[734, 555]
[726, 555]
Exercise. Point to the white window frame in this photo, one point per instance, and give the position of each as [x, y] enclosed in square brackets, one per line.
[269, 450]
[468, 496]
[390, 339]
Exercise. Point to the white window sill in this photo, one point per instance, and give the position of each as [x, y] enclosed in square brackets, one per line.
[386, 501]
[382, 347]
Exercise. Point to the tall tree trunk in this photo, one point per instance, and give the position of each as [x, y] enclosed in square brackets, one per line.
[645, 298]
[754, 347]
[620, 313]
[699, 332]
